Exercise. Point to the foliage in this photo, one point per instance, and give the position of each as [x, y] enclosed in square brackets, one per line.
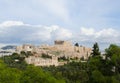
[31, 74]
[26, 54]
[8, 75]
[95, 70]
[73, 72]
[76, 44]
[113, 54]
[46, 56]
[36, 75]
[95, 51]
[13, 69]
[63, 58]
[112, 50]
[15, 61]
[97, 77]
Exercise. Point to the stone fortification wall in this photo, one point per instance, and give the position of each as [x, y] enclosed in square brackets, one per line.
[65, 47]
[59, 49]
[38, 61]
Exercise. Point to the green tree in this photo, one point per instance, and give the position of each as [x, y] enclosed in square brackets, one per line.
[113, 55]
[36, 75]
[112, 50]
[8, 75]
[15, 61]
[76, 44]
[97, 77]
[95, 51]
[23, 54]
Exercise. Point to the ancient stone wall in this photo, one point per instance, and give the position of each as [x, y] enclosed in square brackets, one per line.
[62, 48]
[38, 61]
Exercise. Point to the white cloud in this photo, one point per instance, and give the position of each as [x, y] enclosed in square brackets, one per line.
[86, 31]
[11, 23]
[108, 35]
[18, 32]
[61, 33]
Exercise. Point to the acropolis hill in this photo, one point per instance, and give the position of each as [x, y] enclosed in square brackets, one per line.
[59, 49]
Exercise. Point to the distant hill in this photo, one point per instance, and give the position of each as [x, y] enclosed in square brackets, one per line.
[8, 47]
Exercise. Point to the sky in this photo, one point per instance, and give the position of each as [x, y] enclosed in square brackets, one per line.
[43, 21]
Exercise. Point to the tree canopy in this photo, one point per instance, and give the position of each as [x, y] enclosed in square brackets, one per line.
[95, 70]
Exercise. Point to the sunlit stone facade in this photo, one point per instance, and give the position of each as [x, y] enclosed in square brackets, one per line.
[59, 49]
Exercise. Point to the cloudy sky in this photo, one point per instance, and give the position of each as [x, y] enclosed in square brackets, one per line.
[43, 21]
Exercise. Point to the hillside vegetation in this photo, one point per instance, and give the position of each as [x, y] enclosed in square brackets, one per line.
[97, 69]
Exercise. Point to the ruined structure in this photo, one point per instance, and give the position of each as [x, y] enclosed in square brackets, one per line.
[38, 61]
[25, 47]
[59, 49]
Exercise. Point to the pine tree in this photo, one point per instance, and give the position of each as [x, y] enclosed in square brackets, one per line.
[95, 51]
[76, 44]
